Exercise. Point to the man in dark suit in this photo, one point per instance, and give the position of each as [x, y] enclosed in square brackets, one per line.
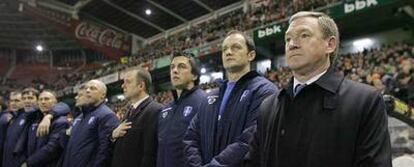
[321, 119]
[136, 137]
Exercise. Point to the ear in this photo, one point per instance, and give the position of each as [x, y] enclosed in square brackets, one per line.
[141, 85]
[194, 77]
[331, 45]
[251, 55]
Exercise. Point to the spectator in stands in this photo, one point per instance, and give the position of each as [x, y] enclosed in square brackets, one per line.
[175, 117]
[333, 105]
[135, 139]
[219, 134]
[89, 143]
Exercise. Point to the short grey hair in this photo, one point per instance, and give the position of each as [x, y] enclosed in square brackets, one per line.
[327, 24]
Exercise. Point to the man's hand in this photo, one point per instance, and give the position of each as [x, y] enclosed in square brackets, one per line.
[43, 128]
[24, 164]
[121, 130]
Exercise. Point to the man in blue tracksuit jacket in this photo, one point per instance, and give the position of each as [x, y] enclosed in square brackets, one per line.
[219, 134]
[175, 118]
[17, 126]
[89, 144]
[45, 151]
[15, 103]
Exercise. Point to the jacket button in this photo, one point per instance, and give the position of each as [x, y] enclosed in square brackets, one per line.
[282, 132]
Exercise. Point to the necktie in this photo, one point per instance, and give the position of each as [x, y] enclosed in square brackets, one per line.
[128, 113]
[298, 88]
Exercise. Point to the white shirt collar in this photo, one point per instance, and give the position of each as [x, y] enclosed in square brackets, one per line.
[308, 82]
[135, 105]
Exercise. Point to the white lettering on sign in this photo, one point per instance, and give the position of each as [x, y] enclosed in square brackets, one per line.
[101, 36]
[358, 5]
[269, 31]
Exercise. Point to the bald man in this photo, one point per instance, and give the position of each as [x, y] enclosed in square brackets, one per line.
[88, 144]
[44, 151]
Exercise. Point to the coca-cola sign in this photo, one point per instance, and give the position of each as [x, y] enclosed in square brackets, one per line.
[112, 43]
[102, 36]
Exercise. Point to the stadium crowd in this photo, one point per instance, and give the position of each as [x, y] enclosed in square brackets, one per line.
[228, 126]
[257, 13]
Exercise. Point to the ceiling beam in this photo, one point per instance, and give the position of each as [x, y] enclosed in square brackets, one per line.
[26, 42]
[55, 47]
[31, 37]
[203, 5]
[17, 22]
[8, 14]
[110, 25]
[167, 11]
[134, 15]
[18, 30]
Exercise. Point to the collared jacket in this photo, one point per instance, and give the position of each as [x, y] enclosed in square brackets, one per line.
[89, 144]
[213, 142]
[173, 123]
[331, 122]
[43, 151]
[17, 126]
[138, 148]
[46, 151]
[5, 117]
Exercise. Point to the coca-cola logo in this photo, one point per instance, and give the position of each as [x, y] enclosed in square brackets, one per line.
[98, 35]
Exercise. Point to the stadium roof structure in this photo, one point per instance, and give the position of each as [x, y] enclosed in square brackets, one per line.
[129, 15]
[20, 31]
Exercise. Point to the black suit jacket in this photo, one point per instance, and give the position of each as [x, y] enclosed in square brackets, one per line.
[347, 127]
[138, 148]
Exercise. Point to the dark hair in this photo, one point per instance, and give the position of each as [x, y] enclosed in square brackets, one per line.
[34, 91]
[194, 66]
[249, 41]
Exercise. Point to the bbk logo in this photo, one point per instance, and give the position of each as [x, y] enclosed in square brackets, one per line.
[269, 31]
[358, 5]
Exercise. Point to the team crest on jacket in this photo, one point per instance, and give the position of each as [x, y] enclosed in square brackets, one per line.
[187, 110]
[212, 99]
[164, 114]
[34, 126]
[244, 94]
[76, 121]
[91, 120]
[22, 122]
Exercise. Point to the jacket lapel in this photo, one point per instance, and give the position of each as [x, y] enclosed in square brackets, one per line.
[140, 109]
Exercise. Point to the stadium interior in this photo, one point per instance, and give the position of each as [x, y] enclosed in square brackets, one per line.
[60, 44]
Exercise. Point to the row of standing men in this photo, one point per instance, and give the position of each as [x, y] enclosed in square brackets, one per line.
[321, 119]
